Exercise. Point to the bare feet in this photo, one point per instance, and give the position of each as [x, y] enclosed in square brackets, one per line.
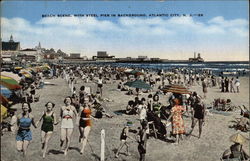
[65, 152]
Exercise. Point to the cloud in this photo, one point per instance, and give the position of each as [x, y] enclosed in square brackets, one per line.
[145, 35]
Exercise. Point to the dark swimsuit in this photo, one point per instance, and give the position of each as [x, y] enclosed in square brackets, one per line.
[48, 122]
[198, 111]
[123, 135]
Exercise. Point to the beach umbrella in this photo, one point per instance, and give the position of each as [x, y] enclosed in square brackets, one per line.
[136, 72]
[26, 73]
[18, 68]
[3, 100]
[11, 75]
[128, 70]
[237, 138]
[5, 91]
[176, 88]
[138, 84]
[3, 113]
[8, 82]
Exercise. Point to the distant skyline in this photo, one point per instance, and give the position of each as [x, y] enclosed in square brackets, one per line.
[220, 33]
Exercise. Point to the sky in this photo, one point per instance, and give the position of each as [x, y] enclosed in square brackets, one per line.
[218, 30]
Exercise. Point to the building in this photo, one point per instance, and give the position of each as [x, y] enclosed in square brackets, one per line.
[102, 55]
[75, 56]
[142, 57]
[28, 55]
[9, 49]
[198, 59]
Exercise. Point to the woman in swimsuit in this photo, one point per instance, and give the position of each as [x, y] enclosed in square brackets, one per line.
[24, 135]
[67, 113]
[85, 122]
[49, 120]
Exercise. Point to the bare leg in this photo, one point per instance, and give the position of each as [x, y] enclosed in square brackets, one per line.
[119, 149]
[19, 146]
[177, 138]
[200, 127]
[63, 137]
[85, 137]
[25, 146]
[68, 135]
[43, 138]
[47, 137]
[193, 125]
[127, 146]
[81, 129]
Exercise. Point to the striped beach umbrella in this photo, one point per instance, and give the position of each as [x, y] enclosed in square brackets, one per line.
[5, 91]
[11, 75]
[3, 100]
[3, 113]
[176, 88]
[9, 82]
[26, 73]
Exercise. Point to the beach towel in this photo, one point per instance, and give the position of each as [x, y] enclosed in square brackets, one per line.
[220, 112]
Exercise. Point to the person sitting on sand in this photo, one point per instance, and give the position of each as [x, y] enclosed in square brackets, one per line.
[49, 120]
[123, 138]
[10, 123]
[130, 109]
[236, 150]
[242, 124]
[24, 134]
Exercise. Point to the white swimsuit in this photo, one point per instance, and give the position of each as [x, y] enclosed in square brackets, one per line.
[67, 119]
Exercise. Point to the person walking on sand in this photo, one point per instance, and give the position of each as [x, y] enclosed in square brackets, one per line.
[177, 122]
[49, 120]
[123, 138]
[67, 113]
[84, 123]
[198, 115]
[222, 84]
[231, 82]
[227, 84]
[142, 141]
[100, 84]
[24, 134]
[204, 88]
[237, 84]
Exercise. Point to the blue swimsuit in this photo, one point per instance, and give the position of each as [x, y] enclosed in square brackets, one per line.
[24, 132]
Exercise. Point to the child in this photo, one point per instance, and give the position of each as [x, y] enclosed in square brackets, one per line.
[123, 139]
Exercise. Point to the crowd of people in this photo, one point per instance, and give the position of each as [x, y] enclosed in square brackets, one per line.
[154, 116]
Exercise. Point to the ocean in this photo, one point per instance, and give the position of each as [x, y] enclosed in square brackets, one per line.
[240, 68]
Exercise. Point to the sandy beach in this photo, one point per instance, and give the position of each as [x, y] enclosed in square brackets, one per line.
[213, 142]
